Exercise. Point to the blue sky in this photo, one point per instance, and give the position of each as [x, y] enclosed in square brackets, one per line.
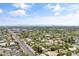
[39, 14]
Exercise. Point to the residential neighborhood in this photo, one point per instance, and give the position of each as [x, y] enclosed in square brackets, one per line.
[39, 41]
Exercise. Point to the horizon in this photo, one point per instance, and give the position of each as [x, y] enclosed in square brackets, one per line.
[40, 25]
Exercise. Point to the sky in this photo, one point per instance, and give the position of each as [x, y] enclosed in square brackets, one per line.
[17, 14]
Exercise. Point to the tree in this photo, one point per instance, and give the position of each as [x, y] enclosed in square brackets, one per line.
[54, 47]
[69, 53]
[66, 45]
[60, 54]
[1, 54]
[38, 48]
[77, 50]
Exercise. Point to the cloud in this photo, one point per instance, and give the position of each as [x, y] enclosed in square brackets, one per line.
[18, 13]
[74, 14]
[57, 7]
[49, 6]
[57, 20]
[1, 11]
[70, 14]
[57, 13]
[73, 10]
[77, 13]
[22, 6]
[45, 20]
[73, 7]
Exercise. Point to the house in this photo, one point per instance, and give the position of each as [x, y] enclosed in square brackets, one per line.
[52, 53]
[44, 49]
[50, 41]
[28, 39]
[72, 49]
[12, 43]
[76, 40]
[3, 44]
[47, 35]
[42, 55]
